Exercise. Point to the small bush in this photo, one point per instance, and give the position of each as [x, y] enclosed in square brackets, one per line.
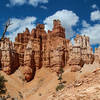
[40, 94]
[60, 87]
[61, 84]
[14, 99]
[20, 95]
[2, 85]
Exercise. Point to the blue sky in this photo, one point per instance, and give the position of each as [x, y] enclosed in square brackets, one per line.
[77, 16]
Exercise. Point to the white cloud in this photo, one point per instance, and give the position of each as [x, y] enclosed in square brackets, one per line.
[94, 6]
[68, 20]
[29, 2]
[7, 5]
[19, 26]
[43, 7]
[16, 2]
[95, 15]
[85, 24]
[93, 32]
[36, 2]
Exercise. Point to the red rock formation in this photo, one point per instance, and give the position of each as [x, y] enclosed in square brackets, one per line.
[58, 30]
[75, 59]
[97, 55]
[38, 38]
[75, 68]
[29, 64]
[39, 49]
[9, 59]
[36, 44]
[20, 44]
[81, 52]
[56, 48]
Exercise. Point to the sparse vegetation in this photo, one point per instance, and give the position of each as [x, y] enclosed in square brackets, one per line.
[60, 87]
[40, 94]
[20, 95]
[61, 84]
[2, 85]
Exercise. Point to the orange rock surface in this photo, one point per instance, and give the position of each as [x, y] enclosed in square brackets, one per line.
[36, 49]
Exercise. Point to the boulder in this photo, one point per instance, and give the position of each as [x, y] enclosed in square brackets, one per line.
[75, 68]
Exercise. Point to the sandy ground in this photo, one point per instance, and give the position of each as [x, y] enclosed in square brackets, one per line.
[44, 84]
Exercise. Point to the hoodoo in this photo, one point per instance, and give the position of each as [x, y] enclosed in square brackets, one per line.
[36, 49]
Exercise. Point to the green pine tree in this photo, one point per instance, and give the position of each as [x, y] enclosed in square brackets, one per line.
[61, 85]
[60, 74]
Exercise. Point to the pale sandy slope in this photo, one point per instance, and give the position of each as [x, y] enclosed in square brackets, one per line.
[50, 83]
[44, 84]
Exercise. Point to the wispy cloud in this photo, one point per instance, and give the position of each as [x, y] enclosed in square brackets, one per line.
[85, 24]
[28, 2]
[36, 2]
[94, 6]
[19, 26]
[95, 15]
[93, 32]
[43, 7]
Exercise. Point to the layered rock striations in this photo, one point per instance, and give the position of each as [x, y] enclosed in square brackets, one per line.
[56, 47]
[80, 53]
[20, 44]
[9, 57]
[29, 64]
[36, 49]
[97, 55]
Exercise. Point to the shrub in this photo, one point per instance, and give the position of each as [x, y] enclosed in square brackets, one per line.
[2, 85]
[60, 87]
[61, 84]
[20, 95]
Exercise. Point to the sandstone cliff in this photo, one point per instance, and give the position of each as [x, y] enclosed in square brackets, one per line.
[36, 49]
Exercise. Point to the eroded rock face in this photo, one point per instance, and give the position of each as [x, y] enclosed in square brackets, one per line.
[9, 59]
[20, 44]
[86, 50]
[56, 53]
[81, 52]
[57, 31]
[97, 55]
[36, 49]
[56, 48]
[29, 64]
[38, 38]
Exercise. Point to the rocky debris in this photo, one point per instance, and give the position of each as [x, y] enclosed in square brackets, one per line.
[86, 88]
[75, 68]
[78, 83]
